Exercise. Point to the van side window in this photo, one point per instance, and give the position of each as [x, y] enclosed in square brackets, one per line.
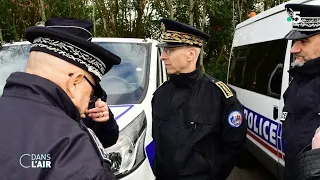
[275, 79]
[258, 67]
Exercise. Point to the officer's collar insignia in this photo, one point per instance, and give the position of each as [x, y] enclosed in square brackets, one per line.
[225, 89]
[235, 119]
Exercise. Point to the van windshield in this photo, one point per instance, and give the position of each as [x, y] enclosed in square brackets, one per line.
[125, 83]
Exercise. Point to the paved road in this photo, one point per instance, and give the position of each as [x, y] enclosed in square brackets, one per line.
[255, 171]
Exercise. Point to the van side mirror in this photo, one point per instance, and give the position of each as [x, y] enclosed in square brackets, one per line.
[275, 81]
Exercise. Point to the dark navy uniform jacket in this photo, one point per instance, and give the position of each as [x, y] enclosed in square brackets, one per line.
[301, 113]
[198, 128]
[39, 118]
[309, 164]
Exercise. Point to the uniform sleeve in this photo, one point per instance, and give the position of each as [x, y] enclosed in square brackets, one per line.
[107, 132]
[75, 157]
[234, 129]
[309, 165]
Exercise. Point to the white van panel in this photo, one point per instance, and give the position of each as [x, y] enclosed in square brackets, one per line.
[270, 28]
[263, 130]
[268, 25]
[274, 10]
[142, 173]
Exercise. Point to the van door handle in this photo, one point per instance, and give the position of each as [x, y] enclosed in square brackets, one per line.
[275, 112]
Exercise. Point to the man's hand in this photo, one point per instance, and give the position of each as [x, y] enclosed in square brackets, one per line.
[100, 113]
[316, 139]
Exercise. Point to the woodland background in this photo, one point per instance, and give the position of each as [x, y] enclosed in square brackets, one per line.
[140, 19]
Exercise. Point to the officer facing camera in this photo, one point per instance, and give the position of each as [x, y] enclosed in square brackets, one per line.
[198, 125]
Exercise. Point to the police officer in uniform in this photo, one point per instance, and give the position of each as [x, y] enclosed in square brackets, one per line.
[198, 123]
[301, 113]
[42, 107]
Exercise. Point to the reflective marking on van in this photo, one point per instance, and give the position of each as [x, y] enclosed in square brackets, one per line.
[265, 131]
[120, 110]
[266, 145]
[150, 149]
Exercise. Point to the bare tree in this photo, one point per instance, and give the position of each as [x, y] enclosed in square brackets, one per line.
[170, 7]
[240, 9]
[140, 6]
[42, 11]
[204, 14]
[100, 4]
[265, 7]
[191, 12]
[1, 39]
[114, 10]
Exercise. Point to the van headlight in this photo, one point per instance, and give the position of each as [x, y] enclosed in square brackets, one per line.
[128, 153]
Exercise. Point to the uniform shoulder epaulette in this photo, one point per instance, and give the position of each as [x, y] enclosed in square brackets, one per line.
[227, 92]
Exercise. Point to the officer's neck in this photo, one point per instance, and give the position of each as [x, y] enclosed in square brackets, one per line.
[187, 70]
[311, 67]
[187, 79]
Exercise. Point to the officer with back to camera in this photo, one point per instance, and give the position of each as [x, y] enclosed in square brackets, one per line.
[42, 107]
[198, 125]
[301, 113]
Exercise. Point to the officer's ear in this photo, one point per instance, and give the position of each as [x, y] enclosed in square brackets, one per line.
[192, 54]
[74, 83]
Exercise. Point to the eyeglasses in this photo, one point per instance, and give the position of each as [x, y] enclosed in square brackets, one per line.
[91, 84]
[169, 50]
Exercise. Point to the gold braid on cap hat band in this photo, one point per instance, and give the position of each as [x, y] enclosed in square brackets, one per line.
[180, 37]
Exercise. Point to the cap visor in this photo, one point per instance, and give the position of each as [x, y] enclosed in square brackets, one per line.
[165, 44]
[297, 35]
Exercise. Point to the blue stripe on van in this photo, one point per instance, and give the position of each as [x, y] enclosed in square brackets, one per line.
[268, 130]
[124, 112]
[150, 149]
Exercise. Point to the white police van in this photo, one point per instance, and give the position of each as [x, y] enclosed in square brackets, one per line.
[129, 86]
[258, 73]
